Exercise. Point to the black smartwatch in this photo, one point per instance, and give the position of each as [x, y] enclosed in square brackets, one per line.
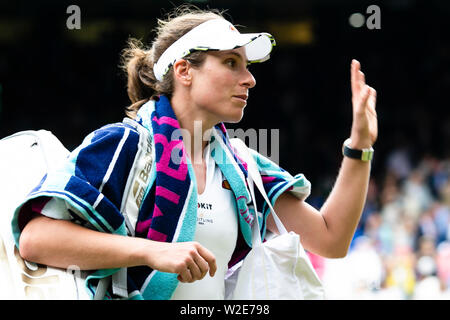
[363, 154]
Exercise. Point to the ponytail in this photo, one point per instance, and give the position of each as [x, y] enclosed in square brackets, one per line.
[137, 61]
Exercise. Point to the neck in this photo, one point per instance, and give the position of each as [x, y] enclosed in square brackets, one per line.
[196, 127]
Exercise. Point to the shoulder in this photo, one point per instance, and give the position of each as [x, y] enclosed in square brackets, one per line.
[112, 136]
[114, 131]
[108, 140]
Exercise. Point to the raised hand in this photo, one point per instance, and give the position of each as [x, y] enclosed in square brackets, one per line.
[365, 125]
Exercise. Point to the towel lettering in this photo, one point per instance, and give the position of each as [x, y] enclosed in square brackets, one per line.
[142, 178]
[166, 157]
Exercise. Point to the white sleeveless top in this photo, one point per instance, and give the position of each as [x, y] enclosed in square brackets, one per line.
[217, 230]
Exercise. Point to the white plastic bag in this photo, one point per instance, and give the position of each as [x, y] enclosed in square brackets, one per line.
[278, 268]
[25, 157]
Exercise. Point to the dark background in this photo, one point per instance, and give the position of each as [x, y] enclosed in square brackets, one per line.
[68, 82]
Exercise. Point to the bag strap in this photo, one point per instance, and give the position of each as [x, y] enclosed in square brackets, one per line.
[255, 177]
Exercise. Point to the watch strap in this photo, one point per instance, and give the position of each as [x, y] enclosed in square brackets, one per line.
[360, 154]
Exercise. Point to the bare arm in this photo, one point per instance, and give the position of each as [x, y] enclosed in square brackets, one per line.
[62, 243]
[328, 232]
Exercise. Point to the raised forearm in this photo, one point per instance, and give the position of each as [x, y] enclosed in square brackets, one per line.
[330, 231]
[344, 206]
[342, 210]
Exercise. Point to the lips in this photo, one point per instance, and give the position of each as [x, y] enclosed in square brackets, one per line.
[242, 96]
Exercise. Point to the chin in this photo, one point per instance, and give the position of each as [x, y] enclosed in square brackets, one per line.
[235, 117]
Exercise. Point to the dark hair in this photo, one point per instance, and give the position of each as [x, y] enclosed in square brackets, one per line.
[137, 60]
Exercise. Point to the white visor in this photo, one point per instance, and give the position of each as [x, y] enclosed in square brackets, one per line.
[216, 34]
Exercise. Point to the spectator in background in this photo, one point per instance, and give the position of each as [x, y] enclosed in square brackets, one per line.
[443, 263]
[416, 194]
[407, 223]
[428, 285]
[442, 212]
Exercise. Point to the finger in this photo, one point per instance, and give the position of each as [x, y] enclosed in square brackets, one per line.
[195, 271]
[361, 79]
[209, 258]
[185, 276]
[372, 102]
[373, 97]
[364, 96]
[202, 265]
[354, 68]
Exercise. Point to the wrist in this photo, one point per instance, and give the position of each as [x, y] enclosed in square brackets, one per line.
[143, 253]
[356, 143]
[354, 151]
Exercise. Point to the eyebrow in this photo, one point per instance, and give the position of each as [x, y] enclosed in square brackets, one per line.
[234, 53]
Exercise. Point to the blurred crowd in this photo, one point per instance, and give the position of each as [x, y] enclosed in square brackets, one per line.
[401, 248]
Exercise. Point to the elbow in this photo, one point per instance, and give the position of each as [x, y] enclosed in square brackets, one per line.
[27, 246]
[31, 238]
[335, 251]
[338, 253]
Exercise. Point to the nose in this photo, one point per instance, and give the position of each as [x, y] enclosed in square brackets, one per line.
[248, 80]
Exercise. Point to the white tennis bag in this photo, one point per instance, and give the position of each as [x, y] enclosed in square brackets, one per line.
[24, 159]
[277, 269]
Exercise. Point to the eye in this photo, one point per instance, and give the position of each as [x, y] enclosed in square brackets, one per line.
[231, 62]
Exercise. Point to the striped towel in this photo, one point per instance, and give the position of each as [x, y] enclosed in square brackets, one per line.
[124, 179]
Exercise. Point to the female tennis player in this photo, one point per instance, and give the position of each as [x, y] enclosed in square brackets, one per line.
[165, 216]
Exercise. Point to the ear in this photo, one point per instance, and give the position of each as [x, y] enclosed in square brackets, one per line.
[182, 72]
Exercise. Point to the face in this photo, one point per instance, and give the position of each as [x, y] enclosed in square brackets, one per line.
[220, 87]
